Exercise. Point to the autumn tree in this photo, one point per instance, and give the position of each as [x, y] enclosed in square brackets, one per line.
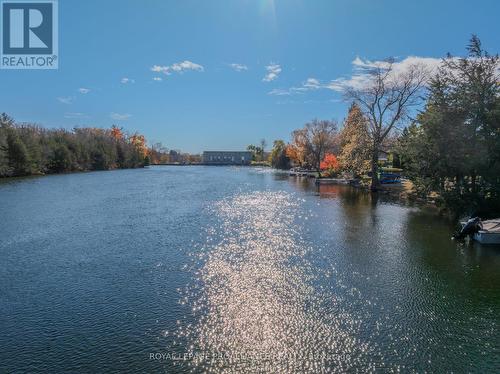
[116, 132]
[279, 158]
[310, 144]
[330, 164]
[386, 97]
[139, 142]
[322, 137]
[355, 145]
[297, 150]
[157, 153]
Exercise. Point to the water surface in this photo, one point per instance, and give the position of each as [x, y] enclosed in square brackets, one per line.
[192, 269]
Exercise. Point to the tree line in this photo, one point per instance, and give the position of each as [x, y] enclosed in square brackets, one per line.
[28, 149]
[443, 127]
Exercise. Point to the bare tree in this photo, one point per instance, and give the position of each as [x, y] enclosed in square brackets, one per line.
[322, 136]
[386, 96]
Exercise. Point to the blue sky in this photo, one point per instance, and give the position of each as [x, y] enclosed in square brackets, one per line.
[232, 71]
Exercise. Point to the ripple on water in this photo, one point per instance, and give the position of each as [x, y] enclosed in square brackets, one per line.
[256, 303]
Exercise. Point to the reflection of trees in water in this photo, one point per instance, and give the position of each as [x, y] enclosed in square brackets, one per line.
[303, 184]
[357, 206]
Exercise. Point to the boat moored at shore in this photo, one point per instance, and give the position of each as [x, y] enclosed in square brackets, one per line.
[484, 232]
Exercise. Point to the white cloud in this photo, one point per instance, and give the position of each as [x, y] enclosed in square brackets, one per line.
[279, 92]
[273, 71]
[66, 100]
[126, 80]
[186, 65]
[309, 85]
[75, 115]
[238, 67]
[356, 81]
[361, 69]
[178, 67]
[84, 90]
[120, 117]
[360, 76]
[157, 79]
[161, 69]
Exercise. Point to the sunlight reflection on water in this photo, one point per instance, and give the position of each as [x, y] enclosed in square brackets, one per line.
[244, 263]
[257, 302]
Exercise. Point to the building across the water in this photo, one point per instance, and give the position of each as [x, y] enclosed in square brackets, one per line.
[227, 158]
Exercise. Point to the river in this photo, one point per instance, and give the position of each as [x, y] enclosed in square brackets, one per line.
[194, 269]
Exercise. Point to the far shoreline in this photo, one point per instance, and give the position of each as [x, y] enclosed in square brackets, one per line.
[407, 199]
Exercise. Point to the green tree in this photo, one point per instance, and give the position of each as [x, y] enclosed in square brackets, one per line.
[5, 124]
[62, 159]
[257, 152]
[19, 161]
[454, 148]
[279, 158]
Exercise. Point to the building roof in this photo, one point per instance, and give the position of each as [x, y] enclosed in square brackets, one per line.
[228, 152]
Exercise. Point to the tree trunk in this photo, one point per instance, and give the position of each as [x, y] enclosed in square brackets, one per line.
[375, 181]
[318, 165]
[473, 183]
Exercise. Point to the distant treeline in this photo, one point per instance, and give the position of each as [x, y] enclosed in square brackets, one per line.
[27, 149]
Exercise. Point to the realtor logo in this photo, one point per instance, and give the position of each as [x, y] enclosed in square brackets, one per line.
[29, 34]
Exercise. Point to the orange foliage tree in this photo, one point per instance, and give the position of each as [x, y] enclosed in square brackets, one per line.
[330, 164]
[139, 141]
[116, 132]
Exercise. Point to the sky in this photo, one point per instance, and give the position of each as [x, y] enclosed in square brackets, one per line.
[222, 74]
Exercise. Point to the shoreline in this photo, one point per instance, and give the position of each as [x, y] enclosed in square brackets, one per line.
[397, 192]
[401, 192]
[38, 175]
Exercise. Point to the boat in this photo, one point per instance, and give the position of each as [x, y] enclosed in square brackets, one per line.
[484, 232]
[389, 178]
[489, 233]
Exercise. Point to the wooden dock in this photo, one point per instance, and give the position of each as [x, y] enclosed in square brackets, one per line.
[334, 181]
[303, 173]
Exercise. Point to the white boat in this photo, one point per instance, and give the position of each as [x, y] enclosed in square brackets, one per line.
[489, 233]
[485, 232]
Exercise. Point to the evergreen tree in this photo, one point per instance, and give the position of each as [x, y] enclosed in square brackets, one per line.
[6, 124]
[62, 159]
[19, 161]
[455, 150]
[355, 143]
[29, 149]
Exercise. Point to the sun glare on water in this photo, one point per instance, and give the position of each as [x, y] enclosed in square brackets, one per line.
[256, 302]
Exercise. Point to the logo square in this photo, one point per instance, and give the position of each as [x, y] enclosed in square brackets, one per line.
[29, 34]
